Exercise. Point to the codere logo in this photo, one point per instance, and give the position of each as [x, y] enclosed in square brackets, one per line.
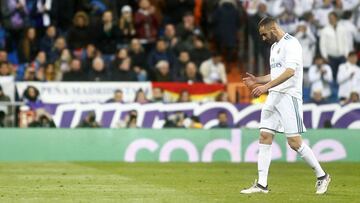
[324, 150]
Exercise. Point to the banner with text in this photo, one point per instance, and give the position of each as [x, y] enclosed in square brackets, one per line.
[167, 145]
[84, 92]
[153, 115]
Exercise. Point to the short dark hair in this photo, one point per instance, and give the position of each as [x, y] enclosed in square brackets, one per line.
[266, 21]
[352, 53]
[334, 14]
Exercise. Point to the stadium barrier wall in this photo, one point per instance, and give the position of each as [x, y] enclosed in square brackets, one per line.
[133, 145]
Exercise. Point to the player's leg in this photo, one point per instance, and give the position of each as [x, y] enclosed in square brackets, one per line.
[268, 126]
[323, 179]
[264, 160]
[264, 156]
[290, 109]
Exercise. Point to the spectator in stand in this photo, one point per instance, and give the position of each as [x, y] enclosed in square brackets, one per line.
[186, 30]
[160, 53]
[130, 120]
[5, 69]
[138, 59]
[157, 95]
[51, 73]
[347, 77]
[191, 74]
[57, 49]
[88, 56]
[40, 60]
[175, 120]
[162, 72]
[354, 97]
[172, 41]
[108, 36]
[89, 121]
[79, 34]
[123, 72]
[126, 25]
[178, 70]
[62, 13]
[334, 53]
[62, 64]
[353, 33]
[41, 14]
[47, 42]
[140, 97]
[31, 97]
[121, 55]
[184, 96]
[40, 73]
[200, 52]
[117, 98]
[226, 23]
[75, 73]
[213, 70]
[3, 56]
[98, 72]
[14, 18]
[146, 23]
[28, 46]
[176, 9]
[317, 98]
[43, 120]
[289, 22]
[223, 120]
[321, 14]
[320, 77]
[30, 74]
[261, 50]
[308, 42]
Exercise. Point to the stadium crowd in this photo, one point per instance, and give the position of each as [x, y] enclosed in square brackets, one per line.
[177, 40]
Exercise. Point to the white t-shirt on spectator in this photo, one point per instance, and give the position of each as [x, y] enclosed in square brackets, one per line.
[320, 82]
[334, 42]
[347, 84]
[308, 43]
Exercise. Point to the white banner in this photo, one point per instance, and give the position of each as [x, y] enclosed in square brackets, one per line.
[84, 92]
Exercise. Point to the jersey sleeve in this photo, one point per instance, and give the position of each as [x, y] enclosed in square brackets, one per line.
[293, 55]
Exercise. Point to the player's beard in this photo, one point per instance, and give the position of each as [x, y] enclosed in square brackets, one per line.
[272, 39]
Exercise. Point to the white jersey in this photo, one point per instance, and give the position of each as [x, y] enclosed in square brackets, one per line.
[287, 53]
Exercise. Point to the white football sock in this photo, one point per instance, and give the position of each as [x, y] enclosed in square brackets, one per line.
[308, 155]
[264, 159]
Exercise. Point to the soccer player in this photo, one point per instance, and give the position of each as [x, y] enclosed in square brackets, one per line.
[282, 111]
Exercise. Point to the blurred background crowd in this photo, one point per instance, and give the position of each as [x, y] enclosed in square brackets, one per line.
[206, 41]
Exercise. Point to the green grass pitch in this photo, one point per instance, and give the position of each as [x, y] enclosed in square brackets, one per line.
[170, 182]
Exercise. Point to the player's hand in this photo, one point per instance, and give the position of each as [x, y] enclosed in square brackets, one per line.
[259, 90]
[250, 80]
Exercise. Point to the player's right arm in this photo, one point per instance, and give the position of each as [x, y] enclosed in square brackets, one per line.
[251, 79]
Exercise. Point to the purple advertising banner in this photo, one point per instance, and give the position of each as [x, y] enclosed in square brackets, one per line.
[153, 115]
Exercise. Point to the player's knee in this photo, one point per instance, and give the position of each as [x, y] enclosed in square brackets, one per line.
[265, 138]
[294, 144]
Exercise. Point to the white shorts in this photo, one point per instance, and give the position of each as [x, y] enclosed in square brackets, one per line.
[282, 113]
